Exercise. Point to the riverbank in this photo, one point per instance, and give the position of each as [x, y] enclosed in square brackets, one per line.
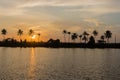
[59, 45]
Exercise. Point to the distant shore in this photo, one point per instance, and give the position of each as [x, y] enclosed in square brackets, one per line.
[59, 45]
[86, 40]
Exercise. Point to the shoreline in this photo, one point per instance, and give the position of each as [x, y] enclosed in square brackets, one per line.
[59, 45]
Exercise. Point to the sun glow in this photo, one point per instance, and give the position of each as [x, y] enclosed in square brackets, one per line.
[34, 36]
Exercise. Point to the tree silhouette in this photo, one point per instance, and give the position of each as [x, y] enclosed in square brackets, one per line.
[69, 33]
[3, 32]
[74, 36]
[64, 32]
[108, 35]
[20, 33]
[95, 33]
[85, 36]
[31, 33]
[80, 36]
[38, 36]
[102, 37]
[91, 40]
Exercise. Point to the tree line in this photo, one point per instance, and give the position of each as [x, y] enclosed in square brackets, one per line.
[20, 32]
[85, 36]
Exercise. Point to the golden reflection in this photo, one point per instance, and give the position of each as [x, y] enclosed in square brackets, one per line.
[31, 69]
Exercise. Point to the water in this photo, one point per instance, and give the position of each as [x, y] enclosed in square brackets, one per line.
[59, 64]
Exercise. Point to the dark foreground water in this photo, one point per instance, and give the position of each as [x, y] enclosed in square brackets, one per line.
[59, 64]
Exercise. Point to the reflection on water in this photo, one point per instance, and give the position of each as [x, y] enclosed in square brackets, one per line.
[2, 56]
[31, 69]
[59, 64]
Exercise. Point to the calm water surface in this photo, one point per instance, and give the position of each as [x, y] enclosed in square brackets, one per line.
[59, 64]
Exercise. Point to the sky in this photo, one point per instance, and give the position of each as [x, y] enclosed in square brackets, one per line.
[51, 17]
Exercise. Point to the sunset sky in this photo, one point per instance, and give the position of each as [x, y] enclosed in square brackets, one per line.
[51, 17]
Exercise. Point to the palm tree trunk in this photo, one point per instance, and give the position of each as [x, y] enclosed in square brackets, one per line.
[85, 41]
[80, 40]
[107, 40]
[64, 38]
[39, 39]
[69, 39]
[19, 38]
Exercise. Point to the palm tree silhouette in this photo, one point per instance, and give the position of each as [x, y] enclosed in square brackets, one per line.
[74, 36]
[80, 36]
[85, 36]
[31, 33]
[95, 33]
[69, 33]
[108, 35]
[20, 33]
[38, 36]
[102, 37]
[64, 32]
[3, 32]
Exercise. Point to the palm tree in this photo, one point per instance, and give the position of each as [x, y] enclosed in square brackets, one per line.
[85, 36]
[31, 33]
[3, 32]
[95, 33]
[74, 36]
[38, 36]
[102, 37]
[80, 36]
[69, 33]
[20, 33]
[64, 32]
[108, 35]
[85, 33]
